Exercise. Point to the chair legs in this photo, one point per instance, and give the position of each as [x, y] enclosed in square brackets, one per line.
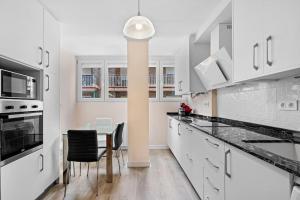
[118, 158]
[74, 168]
[80, 169]
[69, 169]
[97, 177]
[68, 177]
[122, 156]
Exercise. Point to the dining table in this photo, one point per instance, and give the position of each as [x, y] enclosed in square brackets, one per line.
[103, 131]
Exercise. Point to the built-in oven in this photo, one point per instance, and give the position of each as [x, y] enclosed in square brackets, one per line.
[21, 128]
[15, 85]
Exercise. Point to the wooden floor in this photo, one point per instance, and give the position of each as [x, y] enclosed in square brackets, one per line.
[164, 180]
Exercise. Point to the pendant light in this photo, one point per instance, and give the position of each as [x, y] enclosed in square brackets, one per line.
[139, 27]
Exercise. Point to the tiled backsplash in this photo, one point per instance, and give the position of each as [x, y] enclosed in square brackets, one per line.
[257, 102]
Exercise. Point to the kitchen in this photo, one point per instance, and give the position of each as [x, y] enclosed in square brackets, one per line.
[208, 99]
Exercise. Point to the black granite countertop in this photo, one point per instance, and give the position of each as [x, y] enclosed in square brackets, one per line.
[245, 136]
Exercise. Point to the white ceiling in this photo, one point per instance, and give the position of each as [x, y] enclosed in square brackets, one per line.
[171, 18]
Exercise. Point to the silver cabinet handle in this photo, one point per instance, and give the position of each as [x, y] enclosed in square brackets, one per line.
[48, 58]
[212, 164]
[41, 55]
[212, 185]
[179, 86]
[269, 54]
[178, 129]
[226, 163]
[212, 143]
[42, 156]
[255, 47]
[48, 82]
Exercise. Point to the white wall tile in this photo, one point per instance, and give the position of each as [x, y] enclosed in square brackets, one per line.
[258, 103]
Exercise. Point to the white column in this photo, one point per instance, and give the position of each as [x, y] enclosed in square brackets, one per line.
[138, 103]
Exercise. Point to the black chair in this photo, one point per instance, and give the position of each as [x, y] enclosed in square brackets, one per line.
[83, 147]
[118, 140]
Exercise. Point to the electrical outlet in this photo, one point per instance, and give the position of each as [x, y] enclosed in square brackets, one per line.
[291, 105]
[288, 105]
[281, 105]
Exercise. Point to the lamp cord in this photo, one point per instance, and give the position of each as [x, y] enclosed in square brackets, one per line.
[139, 12]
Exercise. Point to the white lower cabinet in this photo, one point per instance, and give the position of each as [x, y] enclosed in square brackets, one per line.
[219, 171]
[249, 178]
[22, 179]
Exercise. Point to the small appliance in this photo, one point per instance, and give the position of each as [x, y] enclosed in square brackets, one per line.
[17, 86]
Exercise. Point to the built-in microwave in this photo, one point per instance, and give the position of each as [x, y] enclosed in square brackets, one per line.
[15, 85]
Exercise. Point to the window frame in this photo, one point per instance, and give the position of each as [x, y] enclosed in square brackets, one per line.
[115, 64]
[155, 63]
[80, 62]
[163, 64]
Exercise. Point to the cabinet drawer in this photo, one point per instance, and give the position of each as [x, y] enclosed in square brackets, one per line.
[214, 149]
[215, 172]
[212, 192]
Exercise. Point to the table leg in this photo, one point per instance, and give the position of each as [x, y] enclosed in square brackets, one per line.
[109, 167]
[65, 162]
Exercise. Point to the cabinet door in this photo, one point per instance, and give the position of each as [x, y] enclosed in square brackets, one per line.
[51, 101]
[248, 178]
[281, 35]
[247, 33]
[21, 35]
[51, 43]
[21, 178]
[182, 82]
[197, 165]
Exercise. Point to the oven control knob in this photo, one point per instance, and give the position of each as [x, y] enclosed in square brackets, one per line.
[34, 106]
[23, 107]
[9, 107]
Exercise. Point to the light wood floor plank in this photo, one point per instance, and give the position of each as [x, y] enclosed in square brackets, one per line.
[164, 180]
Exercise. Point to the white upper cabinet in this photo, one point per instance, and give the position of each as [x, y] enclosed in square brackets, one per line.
[187, 57]
[182, 83]
[266, 43]
[21, 35]
[281, 35]
[51, 99]
[51, 43]
[248, 46]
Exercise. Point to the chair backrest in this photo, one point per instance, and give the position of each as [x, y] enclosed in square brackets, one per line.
[82, 145]
[118, 139]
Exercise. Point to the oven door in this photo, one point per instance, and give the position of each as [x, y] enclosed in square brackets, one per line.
[21, 134]
[15, 85]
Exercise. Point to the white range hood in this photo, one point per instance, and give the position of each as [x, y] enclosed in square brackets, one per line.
[215, 70]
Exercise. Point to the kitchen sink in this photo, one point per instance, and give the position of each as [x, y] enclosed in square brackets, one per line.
[284, 149]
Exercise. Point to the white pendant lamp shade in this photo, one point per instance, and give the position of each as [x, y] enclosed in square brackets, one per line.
[139, 28]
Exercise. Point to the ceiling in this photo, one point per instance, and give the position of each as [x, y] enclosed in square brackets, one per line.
[171, 18]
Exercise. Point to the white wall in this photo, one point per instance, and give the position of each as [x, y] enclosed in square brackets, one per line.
[256, 102]
[75, 114]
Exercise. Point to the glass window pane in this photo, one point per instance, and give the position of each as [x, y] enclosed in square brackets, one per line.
[152, 82]
[91, 82]
[169, 82]
[117, 82]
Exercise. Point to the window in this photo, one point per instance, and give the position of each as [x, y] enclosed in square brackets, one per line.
[91, 80]
[106, 80]
[153, 80]
[167, 81]
[116, 81]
